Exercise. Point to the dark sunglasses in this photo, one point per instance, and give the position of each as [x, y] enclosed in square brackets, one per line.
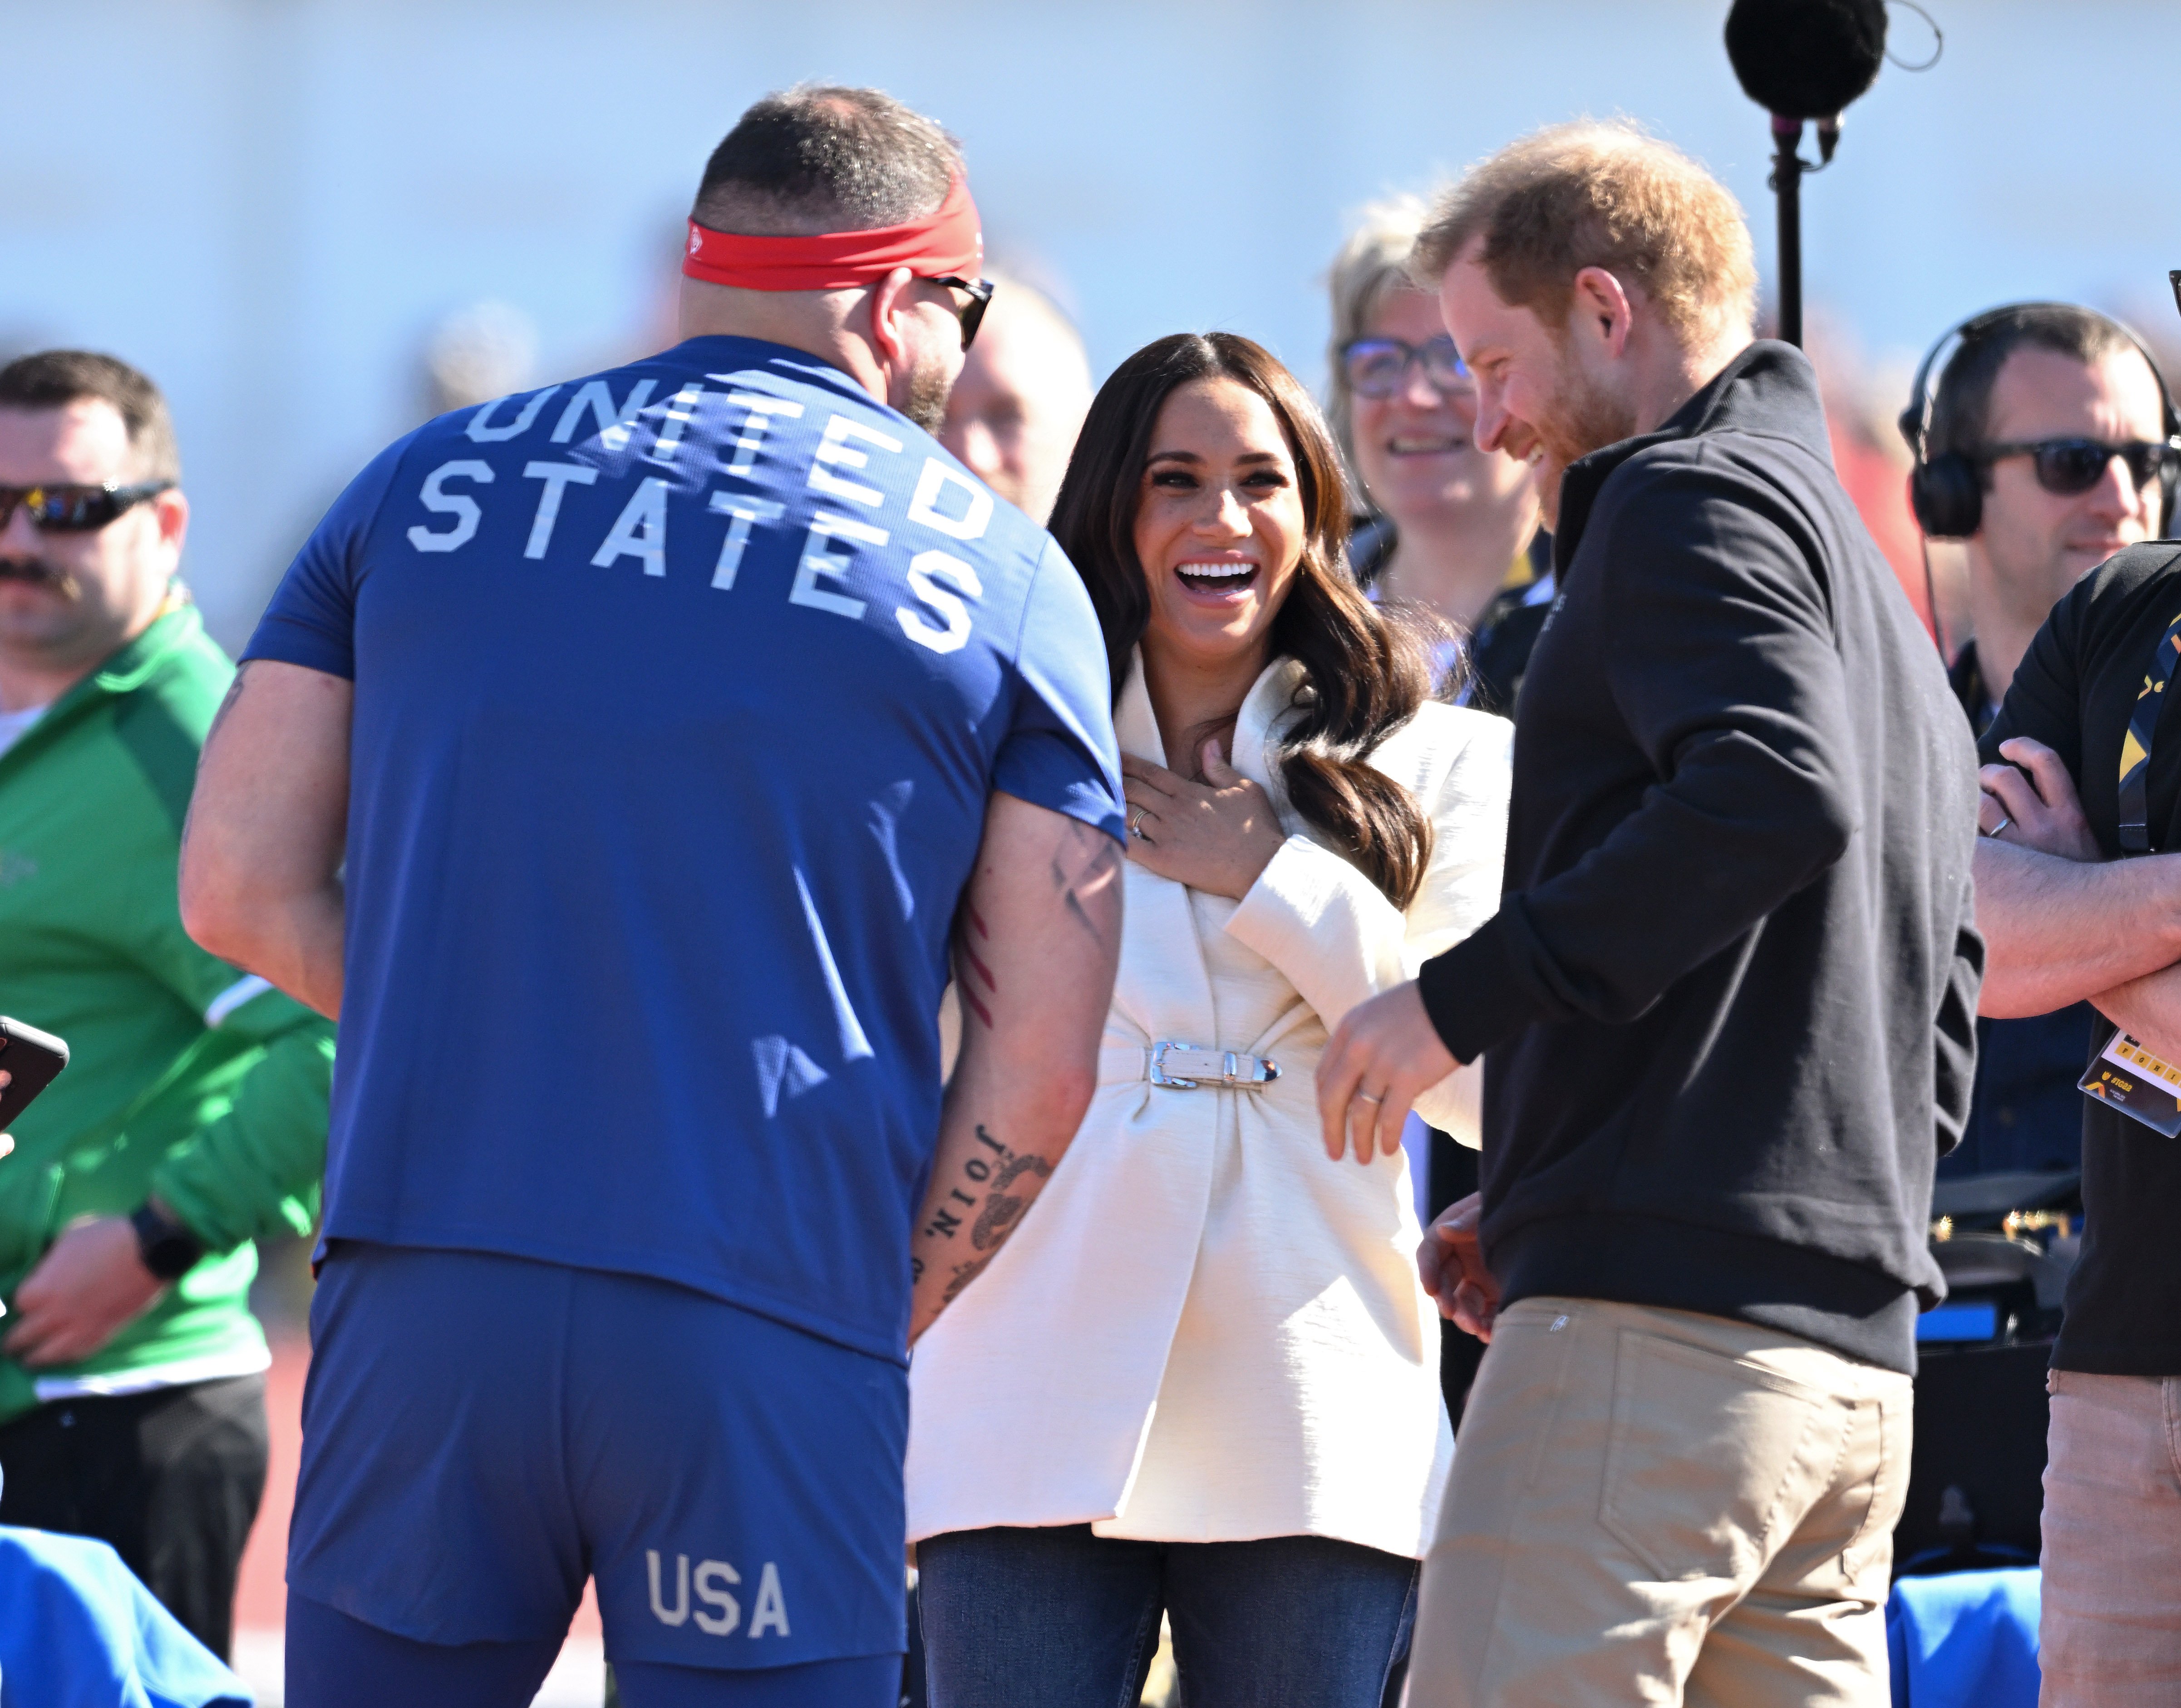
[972, 312]
[2072, 465]
[76, 509]
[1379, 367]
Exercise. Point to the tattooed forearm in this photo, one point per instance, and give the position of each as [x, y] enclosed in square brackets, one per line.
[1003, 1210]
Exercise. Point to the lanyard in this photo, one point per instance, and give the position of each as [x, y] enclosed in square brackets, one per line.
[2135, 745]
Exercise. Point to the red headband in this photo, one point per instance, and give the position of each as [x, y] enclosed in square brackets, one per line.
[949, 241]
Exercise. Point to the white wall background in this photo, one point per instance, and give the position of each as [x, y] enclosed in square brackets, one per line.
[268, 203]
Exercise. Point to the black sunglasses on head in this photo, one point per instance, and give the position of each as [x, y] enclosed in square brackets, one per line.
[60, 508]
[2067, 467]
[972, 312]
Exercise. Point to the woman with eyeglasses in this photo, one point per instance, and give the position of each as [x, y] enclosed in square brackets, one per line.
[1452, 527]
[1201, 1378]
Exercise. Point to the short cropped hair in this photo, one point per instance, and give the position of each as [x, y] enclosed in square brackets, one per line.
[54, 379]
[1599, 194]
[1961, 402]
[820, 157]
[1373, 262]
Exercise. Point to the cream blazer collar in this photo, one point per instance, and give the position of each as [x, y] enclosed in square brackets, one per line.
[1269, 705]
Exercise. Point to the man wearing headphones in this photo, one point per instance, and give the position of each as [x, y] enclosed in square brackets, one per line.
[2016, 457]
[2016, 460]
[2078, 901]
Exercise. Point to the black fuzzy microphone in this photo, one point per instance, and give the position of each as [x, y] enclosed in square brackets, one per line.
[1800, 60]
[1806, 58]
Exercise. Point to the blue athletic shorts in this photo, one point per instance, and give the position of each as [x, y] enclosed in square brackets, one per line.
[480, 1433]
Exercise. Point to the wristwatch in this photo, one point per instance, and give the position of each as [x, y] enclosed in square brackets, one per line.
[170, 1250]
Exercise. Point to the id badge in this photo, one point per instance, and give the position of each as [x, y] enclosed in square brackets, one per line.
[2129, 1078]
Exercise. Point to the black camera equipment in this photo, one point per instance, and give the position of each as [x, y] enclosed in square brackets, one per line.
[1802, 60]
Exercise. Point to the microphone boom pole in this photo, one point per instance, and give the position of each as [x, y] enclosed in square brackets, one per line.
[1787, 188]
[1800, 60]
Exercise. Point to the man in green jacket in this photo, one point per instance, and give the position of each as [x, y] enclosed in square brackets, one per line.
[192, 1117]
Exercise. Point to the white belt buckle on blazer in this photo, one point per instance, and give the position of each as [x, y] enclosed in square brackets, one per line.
[1185, 1067]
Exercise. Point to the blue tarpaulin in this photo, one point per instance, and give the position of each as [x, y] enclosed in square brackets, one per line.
[78, 1630]
[1965, 1639]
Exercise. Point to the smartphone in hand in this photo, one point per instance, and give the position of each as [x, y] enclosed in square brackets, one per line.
[32, 1060]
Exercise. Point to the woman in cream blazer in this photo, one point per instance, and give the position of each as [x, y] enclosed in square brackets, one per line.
[1202, 1376]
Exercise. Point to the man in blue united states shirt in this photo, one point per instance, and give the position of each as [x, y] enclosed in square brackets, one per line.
[618, 761]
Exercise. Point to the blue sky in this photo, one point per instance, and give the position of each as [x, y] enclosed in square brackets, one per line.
[269, 203]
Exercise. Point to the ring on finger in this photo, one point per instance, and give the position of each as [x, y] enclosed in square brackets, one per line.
[1136, 823]
[2005, 820]
[1367, 1098]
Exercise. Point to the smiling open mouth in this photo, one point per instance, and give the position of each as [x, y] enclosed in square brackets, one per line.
[1425, 445]
[1215, 578]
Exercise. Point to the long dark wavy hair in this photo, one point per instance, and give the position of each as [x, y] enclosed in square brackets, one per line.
[1363, 676]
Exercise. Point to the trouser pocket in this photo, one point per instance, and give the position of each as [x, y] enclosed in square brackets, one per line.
[1702, 1458]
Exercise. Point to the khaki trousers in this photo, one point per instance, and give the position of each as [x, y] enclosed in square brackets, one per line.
[2110, 1632]
[1652, 1505]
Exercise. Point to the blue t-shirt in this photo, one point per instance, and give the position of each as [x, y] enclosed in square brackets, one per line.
[680, 692]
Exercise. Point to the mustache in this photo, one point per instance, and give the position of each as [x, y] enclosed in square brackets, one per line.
[37, 572]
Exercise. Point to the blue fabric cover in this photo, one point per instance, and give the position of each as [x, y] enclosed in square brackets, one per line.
[78, 1630]
[1965, 1639]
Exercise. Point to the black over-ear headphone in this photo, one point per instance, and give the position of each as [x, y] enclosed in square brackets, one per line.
[1946, 491]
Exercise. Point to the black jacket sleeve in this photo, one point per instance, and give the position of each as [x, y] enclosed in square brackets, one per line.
[1724, 667]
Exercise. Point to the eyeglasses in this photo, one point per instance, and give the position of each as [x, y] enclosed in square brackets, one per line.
[972, 312]
[76, 509]
[2072, 465]
[1379, 367]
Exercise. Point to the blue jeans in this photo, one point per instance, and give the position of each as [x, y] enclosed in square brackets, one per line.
[1067, 1619]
